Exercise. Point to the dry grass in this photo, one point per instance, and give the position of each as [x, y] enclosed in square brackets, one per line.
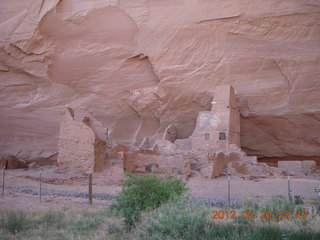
[178, 219]
[60, 224]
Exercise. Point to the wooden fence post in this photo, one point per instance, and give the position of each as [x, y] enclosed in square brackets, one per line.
[90, 188]
[40, 193]
[229, 180]
[3, 178]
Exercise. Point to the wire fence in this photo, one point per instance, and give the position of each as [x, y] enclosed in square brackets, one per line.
[227, 191]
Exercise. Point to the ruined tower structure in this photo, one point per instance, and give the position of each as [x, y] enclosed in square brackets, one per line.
[225, 117]
[217, 129]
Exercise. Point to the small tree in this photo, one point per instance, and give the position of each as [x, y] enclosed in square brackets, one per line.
[145, 193]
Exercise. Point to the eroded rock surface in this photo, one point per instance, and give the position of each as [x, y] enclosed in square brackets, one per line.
[136, 67]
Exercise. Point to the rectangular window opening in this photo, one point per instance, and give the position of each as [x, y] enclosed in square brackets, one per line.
[222, 136]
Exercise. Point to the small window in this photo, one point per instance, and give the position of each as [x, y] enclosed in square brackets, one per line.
[207, 136]
[222, 136]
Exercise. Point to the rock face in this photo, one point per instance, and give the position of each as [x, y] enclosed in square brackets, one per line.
[136, 67]
[80, 150]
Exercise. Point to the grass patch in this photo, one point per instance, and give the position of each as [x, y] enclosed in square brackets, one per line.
[278, 204]
[84, 224]
[52, 219]
[58, 225]
[15, 221]
[268, 233]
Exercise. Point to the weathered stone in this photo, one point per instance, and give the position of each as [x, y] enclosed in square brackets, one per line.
[80, 150]
[145, 144]
[151, 167]
[170, 134]
[165, 147]
[290, 167]
[308, 167]
[297, 167]
[220, 161]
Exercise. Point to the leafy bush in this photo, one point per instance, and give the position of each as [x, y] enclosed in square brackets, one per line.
[180, 218]
[145, 193]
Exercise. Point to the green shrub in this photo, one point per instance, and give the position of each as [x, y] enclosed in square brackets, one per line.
[298, 199]
[180, 218]
[15, 221]
[145, 193]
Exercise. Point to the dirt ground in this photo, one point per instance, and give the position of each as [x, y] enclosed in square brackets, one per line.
[53, 180]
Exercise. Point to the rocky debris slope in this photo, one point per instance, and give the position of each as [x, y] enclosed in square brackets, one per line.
[135, 67]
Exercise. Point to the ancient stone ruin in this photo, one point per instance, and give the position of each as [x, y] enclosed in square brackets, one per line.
[213, 149]
[80, 150]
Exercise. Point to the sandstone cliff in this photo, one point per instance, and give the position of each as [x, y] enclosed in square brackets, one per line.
[137, 66]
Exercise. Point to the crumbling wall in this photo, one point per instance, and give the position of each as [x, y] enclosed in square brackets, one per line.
[143, 161]
[79, 148]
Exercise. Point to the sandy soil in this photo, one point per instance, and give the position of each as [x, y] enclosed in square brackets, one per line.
[199, 187]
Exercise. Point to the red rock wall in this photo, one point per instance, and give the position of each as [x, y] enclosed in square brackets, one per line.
[137, 66]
